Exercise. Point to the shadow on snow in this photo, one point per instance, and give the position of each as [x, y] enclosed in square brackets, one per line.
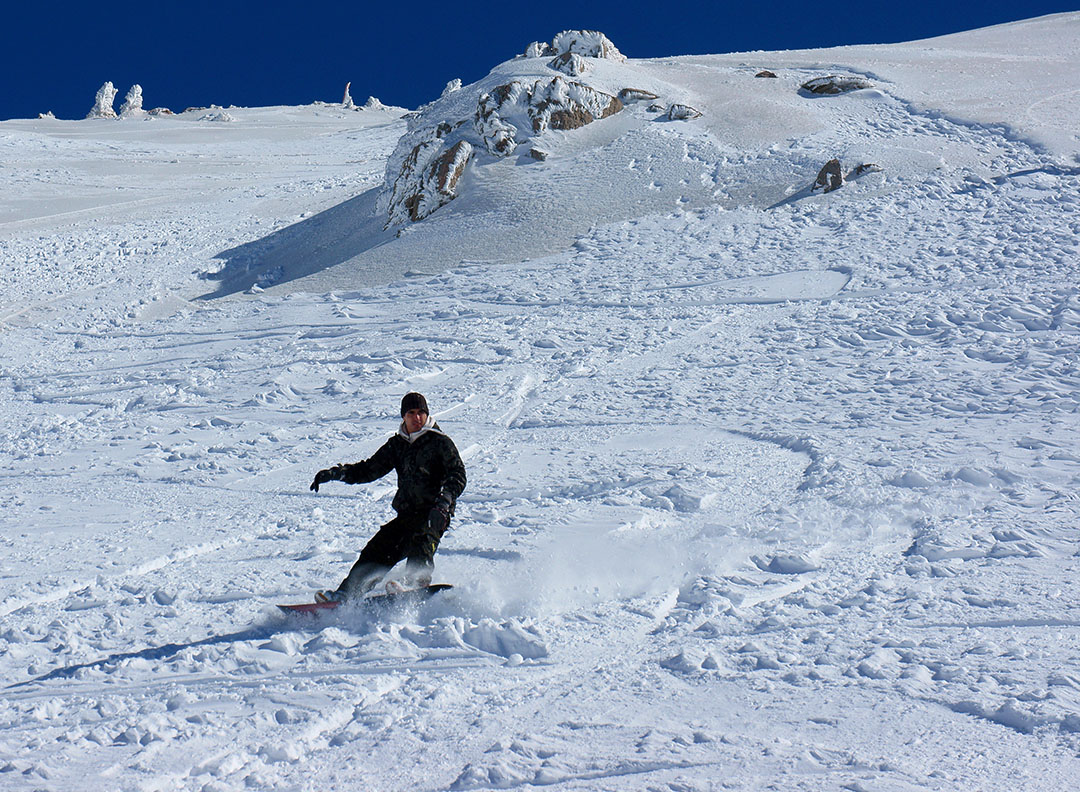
[154, 653]
[322, 241]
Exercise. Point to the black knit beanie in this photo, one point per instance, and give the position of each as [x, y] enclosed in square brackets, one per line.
[413, 401]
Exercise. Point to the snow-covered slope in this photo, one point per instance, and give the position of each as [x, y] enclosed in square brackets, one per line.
[768, 487]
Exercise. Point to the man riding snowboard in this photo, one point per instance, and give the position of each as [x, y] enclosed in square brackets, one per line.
[431, 477]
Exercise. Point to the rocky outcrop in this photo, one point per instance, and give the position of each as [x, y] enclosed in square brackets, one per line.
[514, 112]
[681, 112]
[587, 43]
[570, 64]
[835, 84]
[428, 179]
[103, 102]
[766, 73]
[426, 167]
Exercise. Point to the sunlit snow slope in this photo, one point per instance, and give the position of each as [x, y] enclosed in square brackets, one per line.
[768, 488]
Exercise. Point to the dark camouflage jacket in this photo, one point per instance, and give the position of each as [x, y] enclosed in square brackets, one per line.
[427, 466]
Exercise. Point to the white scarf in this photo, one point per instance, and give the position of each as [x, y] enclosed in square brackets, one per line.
[428, 426]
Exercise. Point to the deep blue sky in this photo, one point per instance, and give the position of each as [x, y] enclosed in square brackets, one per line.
[55, 55]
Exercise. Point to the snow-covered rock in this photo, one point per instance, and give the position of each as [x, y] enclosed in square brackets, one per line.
[132, 106]
[681, 112]
[218, 116]
[835, 84]
[428, 179]
[589, 43]
[103, 102]
[570, 63]
[492, 120]
[513, 113]
[628, 95]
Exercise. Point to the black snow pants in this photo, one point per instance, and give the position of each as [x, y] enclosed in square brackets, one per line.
[407, 536]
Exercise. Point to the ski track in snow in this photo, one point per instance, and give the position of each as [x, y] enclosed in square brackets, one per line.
[769, 490]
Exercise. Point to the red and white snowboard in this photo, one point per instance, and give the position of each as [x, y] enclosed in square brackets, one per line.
[392, 597]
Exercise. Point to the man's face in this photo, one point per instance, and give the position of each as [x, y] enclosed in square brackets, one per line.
[415, 420]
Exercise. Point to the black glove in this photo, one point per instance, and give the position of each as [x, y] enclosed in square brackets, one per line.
[439, 516]
[323, 476]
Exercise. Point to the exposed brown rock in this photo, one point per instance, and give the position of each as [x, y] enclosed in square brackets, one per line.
[765, 73]
[438, 186]
[572, 118]
[451, 165]
[829, 178]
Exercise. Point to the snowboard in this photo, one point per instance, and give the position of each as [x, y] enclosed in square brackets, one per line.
[406, 597]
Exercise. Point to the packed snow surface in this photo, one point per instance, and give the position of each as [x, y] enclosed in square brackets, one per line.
[768, 488]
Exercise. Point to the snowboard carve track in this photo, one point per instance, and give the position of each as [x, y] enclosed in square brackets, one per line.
[140, 570]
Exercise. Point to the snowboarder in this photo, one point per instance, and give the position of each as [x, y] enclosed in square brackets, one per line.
[431, 477]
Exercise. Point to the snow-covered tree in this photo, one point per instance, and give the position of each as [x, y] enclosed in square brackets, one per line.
[103, 102]
[132, 106]
[347, 100]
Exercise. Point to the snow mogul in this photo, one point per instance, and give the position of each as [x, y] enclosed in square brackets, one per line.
[431, 477]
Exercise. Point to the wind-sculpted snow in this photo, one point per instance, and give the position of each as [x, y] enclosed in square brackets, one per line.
[103, 102]
[584, 43]
[767, 487]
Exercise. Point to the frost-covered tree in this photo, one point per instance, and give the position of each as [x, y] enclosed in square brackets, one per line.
[103, 102]
[347, 100]
[132, 106]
